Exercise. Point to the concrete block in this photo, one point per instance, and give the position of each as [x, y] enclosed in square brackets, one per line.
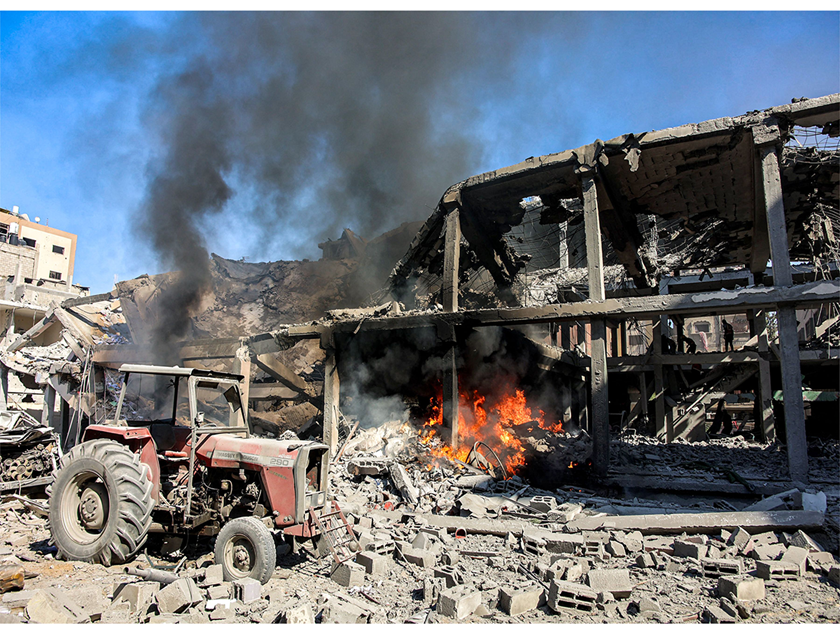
[818, 559]
[685, 549]
[450, 557]
[742, 588]
[420, 558]
[834, 574]
[533, 545]
[616, 581]
[432, 588]
[178, 596]
[765, 538]
[247, 590]
[563, 595]
[775, 570]
[450, 574]
[365, 522]
[814, 502]
[91, 600]
[424, 541]
[458, 602]
[221, 613]
[348, 574]
[797, 556]
[646, 561]
[649, 605]
[741, 540]
[714, 568]
[515, 602]
[213, 575]
[139, 595]
[543, 503]
[52, 606]
[119, 612]
[633, 542]
[300, 614]
[574, 572]
[373, 563]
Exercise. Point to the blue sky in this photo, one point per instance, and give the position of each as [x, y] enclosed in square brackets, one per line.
[328, 130]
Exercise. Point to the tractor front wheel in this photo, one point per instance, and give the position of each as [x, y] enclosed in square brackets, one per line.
[101, 503]
[245, 548]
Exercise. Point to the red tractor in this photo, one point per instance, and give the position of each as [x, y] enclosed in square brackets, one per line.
[181, 461]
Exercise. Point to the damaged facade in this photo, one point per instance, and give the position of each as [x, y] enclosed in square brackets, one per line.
[559, 323]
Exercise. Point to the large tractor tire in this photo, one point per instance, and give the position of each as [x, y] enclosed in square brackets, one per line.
[245, 548]
[101, 503]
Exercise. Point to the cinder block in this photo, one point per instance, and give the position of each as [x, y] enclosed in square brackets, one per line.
[432, 588]
[348, 574]
[178, 596]
[739, 539]
[450, 574]
[214, 575]
[742, 588]
[543, 503]
[458, 602]
[516, 602]
[646, 561]
[220, 591]
[373, 563]
[713, 568]
[797, 556]
[563, 594]
[801, 539]
[685, 549]
[776, 570]
[139, 595]
[247, 590]
[616, 581]
[533, 545]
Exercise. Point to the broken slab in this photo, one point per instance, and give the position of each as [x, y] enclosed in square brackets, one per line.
[53, 607]
[370, 466]
[403, 482]
[706, 522]
[178, 596]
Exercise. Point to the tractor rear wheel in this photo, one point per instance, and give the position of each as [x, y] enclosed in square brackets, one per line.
[245, 548]
[101, 503]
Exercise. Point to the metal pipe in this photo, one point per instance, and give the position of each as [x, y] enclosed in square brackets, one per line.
[155, 575]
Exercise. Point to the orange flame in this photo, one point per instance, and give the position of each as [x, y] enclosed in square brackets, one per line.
[491, 424]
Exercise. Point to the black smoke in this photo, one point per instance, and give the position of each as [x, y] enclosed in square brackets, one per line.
[322, 120]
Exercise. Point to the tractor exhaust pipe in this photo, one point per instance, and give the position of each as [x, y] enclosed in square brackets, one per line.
[156, 575]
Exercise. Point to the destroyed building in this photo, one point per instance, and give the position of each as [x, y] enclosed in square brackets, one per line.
[554, 326]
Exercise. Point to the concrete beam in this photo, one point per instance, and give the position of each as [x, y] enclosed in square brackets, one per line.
[709, 522]
[451, 268]
[332, 393]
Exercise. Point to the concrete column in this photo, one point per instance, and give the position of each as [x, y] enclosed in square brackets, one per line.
[658, 380]
[242, 365]
[598, 347]
[764, 396]
[332, 391]
[48, 415]
[451, 255]
[4, 388]
[450, 383]
[797, 446]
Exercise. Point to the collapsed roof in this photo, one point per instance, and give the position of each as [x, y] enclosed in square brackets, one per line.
[688, 197]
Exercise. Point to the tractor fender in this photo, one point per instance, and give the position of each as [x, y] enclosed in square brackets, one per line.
[138, 440]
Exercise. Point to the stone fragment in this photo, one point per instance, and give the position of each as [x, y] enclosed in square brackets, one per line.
[649, 605]
[119, 612]
[91, 600]
[178, 596]
[767, 552]
[373, 563]
[222, 613]
[344, 612]
[819, 559]
[450, 557]
[51, 606]
[739, 538]
[834, 574]
[139, 595]
[741, 588]
[616, 581]
[686, 549]
[213, 575]
[432, 588]
[423, 541]
[348, 574]
[515, 602]
[563, 595]
[299, 614]
[633, 542]
[403, 482]
[715, 614]
[646, 561]
[221, 591]
[458, 602]
[801, 539]
[616, 549]
[420, 557]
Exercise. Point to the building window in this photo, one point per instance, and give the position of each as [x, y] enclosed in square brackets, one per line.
[636, 340]
[29, 242]
[4, 232]
[702, 327]
[58, 249]
[55, 275]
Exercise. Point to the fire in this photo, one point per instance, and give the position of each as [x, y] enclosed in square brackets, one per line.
[491, 423]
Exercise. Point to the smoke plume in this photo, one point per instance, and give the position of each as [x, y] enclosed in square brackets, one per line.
[319, 122]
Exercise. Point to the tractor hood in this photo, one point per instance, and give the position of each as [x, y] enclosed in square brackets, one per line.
[223, 451]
